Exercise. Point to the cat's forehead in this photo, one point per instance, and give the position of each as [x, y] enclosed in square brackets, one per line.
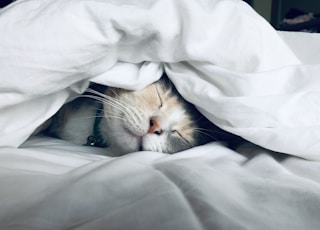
[150, 93]
[159, 94]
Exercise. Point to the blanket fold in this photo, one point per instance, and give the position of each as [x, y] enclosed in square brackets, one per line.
[221, 55]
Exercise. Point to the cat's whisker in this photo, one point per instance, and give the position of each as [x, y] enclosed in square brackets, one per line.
[106, 97]
[209, 130]
[84, 118]
[125, 108]
[114, 92]
[112, 101]
[100, 96]
[109, 102]
[116, 117]
[206, 134]
[102, 116]
[95, 92]
[113, 114]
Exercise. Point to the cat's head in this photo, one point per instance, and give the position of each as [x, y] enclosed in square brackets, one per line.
[155, 118]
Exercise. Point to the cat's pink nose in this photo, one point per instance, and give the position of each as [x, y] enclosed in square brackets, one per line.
[154, 126]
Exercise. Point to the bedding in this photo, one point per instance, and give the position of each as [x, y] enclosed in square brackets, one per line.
[246, 77]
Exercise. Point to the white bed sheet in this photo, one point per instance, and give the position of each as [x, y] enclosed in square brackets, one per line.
[51, 184]
[246, 77]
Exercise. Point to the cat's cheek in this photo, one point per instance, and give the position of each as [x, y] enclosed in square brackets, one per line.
[124, 145]
[129, 143]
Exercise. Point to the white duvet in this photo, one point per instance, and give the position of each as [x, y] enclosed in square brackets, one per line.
[242, 74]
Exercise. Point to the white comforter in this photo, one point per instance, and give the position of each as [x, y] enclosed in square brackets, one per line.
[244, 76]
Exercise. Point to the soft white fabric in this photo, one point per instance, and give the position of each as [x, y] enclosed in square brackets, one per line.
[221, 55]
[50, 184]
[242, 74]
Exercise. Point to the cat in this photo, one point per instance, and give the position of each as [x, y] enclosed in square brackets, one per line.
[156, 118]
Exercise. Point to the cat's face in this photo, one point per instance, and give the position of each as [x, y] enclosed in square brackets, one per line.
[155, 118]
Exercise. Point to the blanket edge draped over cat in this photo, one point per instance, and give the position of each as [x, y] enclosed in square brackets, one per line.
[243, 77]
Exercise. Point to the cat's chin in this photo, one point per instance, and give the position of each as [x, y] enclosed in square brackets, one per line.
[132, 143]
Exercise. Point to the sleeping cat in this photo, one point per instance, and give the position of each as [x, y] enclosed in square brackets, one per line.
[155, 118]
